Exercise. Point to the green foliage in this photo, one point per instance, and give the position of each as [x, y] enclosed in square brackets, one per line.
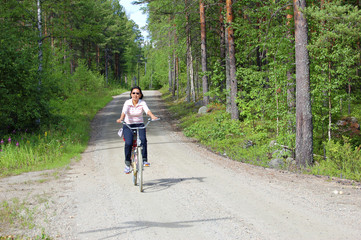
[217, 131]
[77, 36]
[90, 45]
[342, 160]
[217, 91]
[86, 80]
[334, 53]
[57, 144]
[265, 59]
[156, 73]
[65, 138]
[216, 126]
[22, 98]
[179, 109]
[46, 113]
[265, 67]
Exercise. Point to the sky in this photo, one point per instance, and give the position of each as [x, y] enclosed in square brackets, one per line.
[133, 12]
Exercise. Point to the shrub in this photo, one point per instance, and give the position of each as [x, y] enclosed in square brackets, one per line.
[342, 160]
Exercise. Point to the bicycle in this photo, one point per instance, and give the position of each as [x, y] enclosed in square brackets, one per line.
[136, 160]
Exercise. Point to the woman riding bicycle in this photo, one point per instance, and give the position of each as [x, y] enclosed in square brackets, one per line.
[132, 114]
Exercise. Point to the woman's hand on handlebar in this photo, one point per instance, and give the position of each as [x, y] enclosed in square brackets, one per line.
[121, 118]
[154, 118]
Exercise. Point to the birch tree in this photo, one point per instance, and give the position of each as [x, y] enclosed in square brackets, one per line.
[203, 52]
[190, 76]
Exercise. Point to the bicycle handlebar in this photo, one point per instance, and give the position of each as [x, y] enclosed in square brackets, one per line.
[145, 126]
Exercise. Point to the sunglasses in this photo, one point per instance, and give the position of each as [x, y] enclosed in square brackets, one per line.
[136, 93]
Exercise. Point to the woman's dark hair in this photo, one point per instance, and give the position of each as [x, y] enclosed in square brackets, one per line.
[140, 90]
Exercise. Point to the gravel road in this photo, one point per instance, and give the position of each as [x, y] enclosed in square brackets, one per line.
[189, 193]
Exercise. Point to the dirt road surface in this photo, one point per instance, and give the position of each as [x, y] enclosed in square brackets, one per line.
[189, 193]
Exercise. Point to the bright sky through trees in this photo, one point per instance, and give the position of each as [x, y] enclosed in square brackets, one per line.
[135, 13]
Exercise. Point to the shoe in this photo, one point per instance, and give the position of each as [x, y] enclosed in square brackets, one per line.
[146, 164]
[127, 170]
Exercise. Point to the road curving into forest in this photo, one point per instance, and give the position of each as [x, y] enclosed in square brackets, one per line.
[189, 193]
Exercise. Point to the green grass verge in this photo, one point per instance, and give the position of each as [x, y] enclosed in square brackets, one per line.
[219, 133]
[55, 145]
[250, 143]
[18, 214]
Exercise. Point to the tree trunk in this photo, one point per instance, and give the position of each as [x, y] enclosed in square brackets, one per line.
[138, 79]
[89, 55]
[40, 53]
[203, 52]
[291, 98]
[174, 74]
[116, 66]
[188, 97]
[169, 64]
[190, 71]
[329, 102]
[176, 66]
[151, 80]
[349, 96]
[177, 75]
[222, 34]
[222, 37]
[40, 42]
[232, 62]
[304, 127]
[106, 65]
[190, 76]
[169, 73]
[197, 76]
[98, 55]
[228, 78]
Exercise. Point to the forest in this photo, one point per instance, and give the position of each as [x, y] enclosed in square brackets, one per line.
[283, 70]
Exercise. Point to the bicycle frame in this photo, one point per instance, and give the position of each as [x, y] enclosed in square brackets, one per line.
[136, 160]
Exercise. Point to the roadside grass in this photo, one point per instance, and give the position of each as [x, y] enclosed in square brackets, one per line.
[218, 132]
[56, 144]
[52, 147]
[17, 214]
[342, 161]
[233, 139]
[241, 142]
[178, 108]
[42, 237]
[343, 155]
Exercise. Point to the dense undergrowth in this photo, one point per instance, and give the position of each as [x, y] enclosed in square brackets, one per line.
[217, 131]
[54, 145]
[243, 142]
[66, 134]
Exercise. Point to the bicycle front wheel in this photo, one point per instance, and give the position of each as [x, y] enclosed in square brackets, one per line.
[140, 173]
[135, 167]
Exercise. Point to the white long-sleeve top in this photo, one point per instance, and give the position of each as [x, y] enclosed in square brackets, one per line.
[134, 114]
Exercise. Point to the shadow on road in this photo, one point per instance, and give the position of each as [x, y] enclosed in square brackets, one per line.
[158, 185]
[134, 226]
